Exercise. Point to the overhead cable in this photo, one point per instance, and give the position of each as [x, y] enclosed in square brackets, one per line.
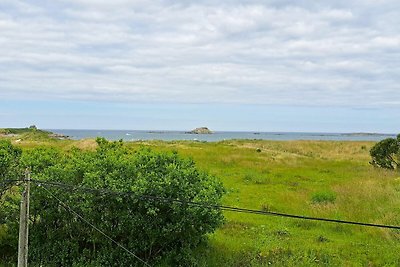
[213, 206]
[93, 226]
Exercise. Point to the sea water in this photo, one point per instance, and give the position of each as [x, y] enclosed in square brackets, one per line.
[136, 135]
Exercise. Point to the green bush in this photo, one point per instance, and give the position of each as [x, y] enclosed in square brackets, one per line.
[10, 169]
[386, 153]
[10, 156]
[154, 230]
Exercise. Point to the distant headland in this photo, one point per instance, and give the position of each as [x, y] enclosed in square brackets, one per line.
[30, 133]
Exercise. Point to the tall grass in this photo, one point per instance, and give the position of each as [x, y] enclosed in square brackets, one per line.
[316, 178]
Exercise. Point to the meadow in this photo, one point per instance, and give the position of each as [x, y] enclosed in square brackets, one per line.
[314, 178]
[328, 179]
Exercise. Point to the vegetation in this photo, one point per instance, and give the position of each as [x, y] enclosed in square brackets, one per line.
[328, 179]
[323, 197]
[386, 153]
[21, 130]
[284, 177]
[31, 134]
[153, 230]
[9, 161]
[9, 169]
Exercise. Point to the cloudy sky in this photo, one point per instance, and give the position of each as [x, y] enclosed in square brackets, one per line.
[278, 65]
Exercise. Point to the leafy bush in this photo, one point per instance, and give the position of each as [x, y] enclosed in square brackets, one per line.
[9, 161]
[386, 153]
[152, 229]
[10, 169]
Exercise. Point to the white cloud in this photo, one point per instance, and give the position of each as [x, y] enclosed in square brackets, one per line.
[285, 52]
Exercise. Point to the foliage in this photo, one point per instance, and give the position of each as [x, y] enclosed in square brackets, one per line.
[386, 153]
[9, 170]
[152, 229]
[9, 161]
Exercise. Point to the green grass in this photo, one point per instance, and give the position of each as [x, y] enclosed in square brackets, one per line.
[25, 134]
[314, 178]
[21, 131]
[323, 197]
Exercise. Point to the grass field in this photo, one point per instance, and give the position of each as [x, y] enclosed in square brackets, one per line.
[328, 179]
[323, 179]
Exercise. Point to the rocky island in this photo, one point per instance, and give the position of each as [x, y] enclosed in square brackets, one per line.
[201, 130]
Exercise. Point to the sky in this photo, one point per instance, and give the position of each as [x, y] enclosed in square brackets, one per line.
[272, 65]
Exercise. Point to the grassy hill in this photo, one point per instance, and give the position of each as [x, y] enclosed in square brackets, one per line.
[329, 179]
[29, 134]
[315, 178]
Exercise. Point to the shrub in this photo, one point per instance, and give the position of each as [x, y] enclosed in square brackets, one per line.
[386, 153]
[10, 169]
[9, 161]
[152, 229]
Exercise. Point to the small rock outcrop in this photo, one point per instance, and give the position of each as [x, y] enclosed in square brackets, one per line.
[59, 136]
[201, 130]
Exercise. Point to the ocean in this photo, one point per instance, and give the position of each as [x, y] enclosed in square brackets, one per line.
[136, 135]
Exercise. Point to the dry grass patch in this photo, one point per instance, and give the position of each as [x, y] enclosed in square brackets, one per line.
[85, 144]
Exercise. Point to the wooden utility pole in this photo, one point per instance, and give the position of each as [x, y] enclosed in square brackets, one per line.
[23, 224]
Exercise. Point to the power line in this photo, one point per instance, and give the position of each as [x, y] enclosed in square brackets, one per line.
[213, 206]
[155, 198]
[93, 226]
